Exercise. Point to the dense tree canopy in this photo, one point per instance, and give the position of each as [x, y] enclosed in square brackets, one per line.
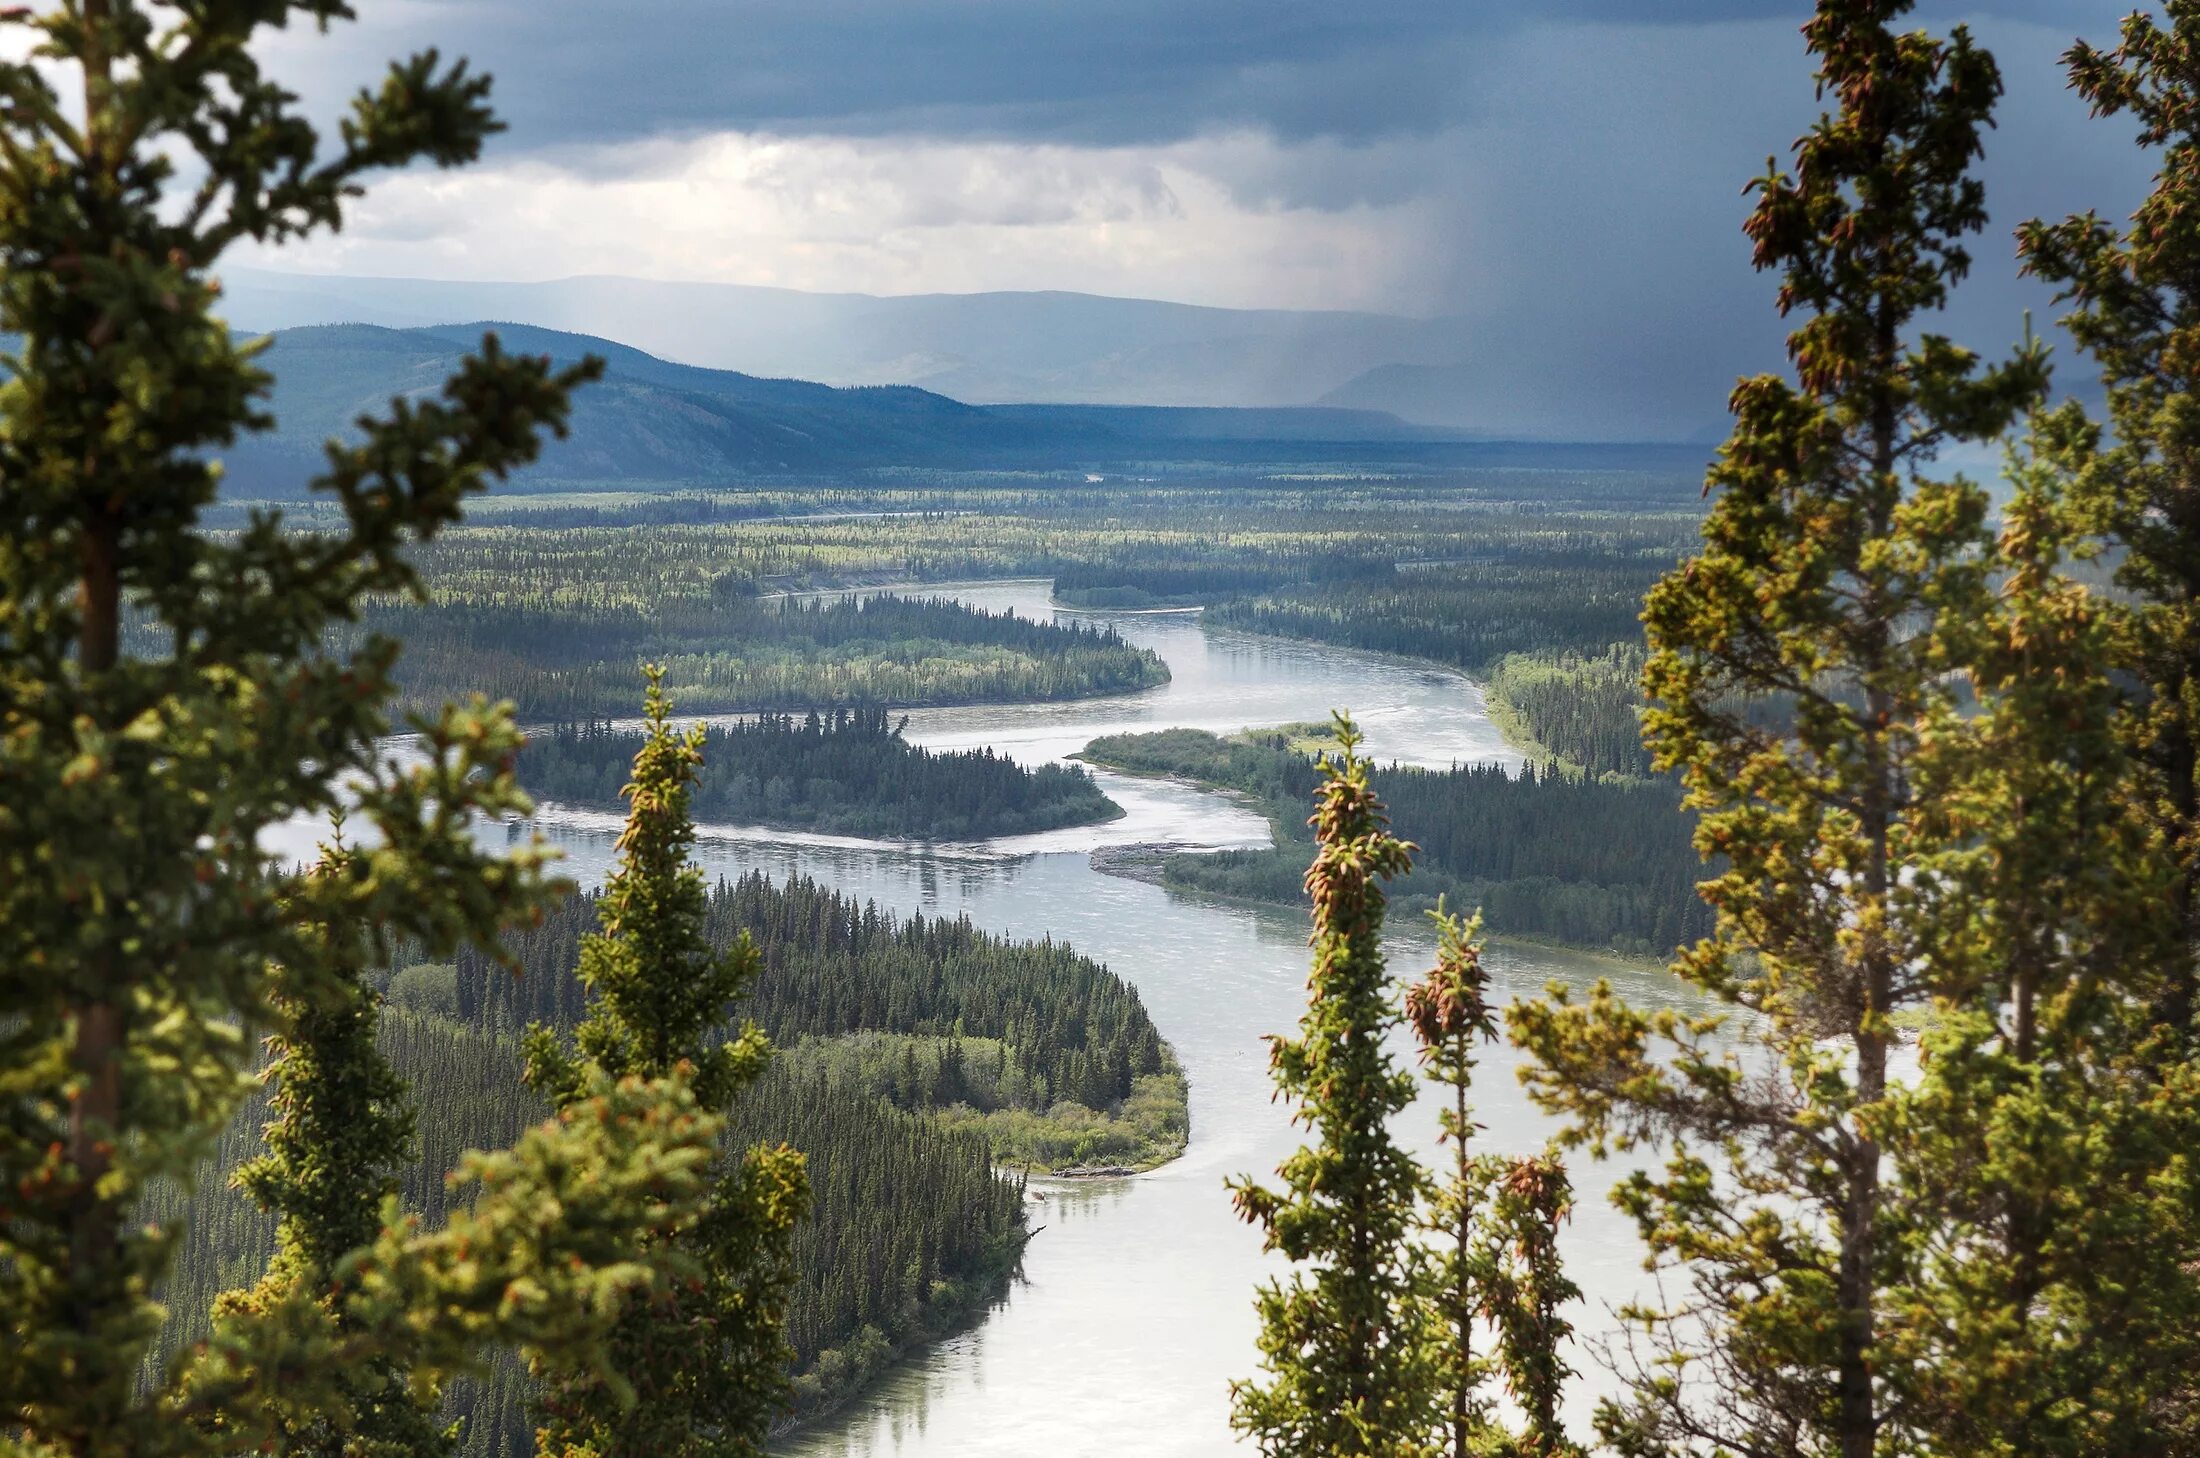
[845, 772]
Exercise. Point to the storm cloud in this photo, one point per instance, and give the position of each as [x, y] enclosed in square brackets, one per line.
[1562, 178]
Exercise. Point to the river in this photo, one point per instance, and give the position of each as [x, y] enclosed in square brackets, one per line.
[1134, 1309]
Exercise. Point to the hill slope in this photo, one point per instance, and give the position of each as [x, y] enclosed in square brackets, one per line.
[653, 420]
[988, 347]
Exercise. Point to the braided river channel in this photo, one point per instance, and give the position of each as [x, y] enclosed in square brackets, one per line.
[1134, 1308]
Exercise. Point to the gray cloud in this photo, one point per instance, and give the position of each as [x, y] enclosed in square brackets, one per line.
[1573, 167]
[1083, 71]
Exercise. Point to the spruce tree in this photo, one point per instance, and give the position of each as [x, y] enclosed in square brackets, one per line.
[343, 1127]
[2136, 297]
[1449, 1013]
[708, 1354]
[168, 695]
[2052, 1308]
[1832, 563]
[1493, 1232]
[1345, 1342]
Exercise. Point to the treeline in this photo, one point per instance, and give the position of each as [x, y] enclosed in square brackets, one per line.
[1182, 583]
[832, 964]
[1548, 856]
[845, 772]
[1585, 711]
[578, 655]
[909, 1230]
[1470, 614]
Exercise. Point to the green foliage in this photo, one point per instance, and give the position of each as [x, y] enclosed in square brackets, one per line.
[702, 1362]
[147, 939]
[1937, 818]
[426, 987]
[724, 650]
[2137, 314]
[341, 1131]
[1583, 712]
[1374, 1351]
[831, 965]
[1349, 1371]
[1577, 594]
[1600, 864]
[1492, 1227]
[846, 772]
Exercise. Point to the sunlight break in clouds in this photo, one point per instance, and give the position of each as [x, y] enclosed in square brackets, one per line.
[900, 215]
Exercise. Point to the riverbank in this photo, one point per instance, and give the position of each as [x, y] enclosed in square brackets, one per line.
[1147, 862]
[1600, 866]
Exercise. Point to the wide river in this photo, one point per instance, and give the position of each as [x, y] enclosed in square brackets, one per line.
[1134, 1310]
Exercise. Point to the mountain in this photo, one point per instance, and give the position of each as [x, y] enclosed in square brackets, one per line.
[651, 420]
[1435, 394]
[987, 348]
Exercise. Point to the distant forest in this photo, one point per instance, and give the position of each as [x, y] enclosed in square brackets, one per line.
[844, 772]
[734, 652]
[1546, 855]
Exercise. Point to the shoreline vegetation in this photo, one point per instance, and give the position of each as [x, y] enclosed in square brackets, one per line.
[726, 651]
[842, 772]
[1604, 865]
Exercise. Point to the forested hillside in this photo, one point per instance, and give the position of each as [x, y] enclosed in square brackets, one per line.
[917, 1056]
[1070, 1030]
[652, 420]
[845, 772]
[1546, 855]
[910, 1228]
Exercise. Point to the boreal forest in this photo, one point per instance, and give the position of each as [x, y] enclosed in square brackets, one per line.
[733, 735]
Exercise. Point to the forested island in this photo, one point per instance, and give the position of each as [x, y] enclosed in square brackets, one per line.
[843, 772]
[571, 654]
[1547, 856]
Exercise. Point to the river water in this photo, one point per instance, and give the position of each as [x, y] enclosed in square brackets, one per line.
[1134, 1309]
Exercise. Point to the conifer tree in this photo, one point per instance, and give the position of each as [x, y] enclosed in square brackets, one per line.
[1345, 1344]
[1525, 1285]
[1494, 1231]
[2136, 297]
[707, 1355]
[1450, 1016]
[343, 1127]
[167, 695]
[1832, 564]
[2052, 1309]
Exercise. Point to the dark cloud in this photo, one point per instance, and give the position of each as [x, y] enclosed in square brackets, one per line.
[1102, 72]
[1584, 158]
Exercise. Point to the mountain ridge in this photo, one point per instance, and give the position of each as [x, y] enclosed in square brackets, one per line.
[1047, 346]
[655, 420]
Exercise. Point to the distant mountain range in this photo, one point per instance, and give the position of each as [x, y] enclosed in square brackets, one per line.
[1054, 348]
[652, 421]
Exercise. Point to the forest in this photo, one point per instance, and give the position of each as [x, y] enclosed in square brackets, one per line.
[911, 1229]
[576, 651]
[1068, 1030]
[842, 772]
[293, 1163]
[918, 1059]
[1546, 856]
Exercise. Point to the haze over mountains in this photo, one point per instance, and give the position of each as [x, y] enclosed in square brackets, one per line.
[1055, 348]
[650, 420]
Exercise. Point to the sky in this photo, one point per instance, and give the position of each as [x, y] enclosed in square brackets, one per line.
[1562, 176]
